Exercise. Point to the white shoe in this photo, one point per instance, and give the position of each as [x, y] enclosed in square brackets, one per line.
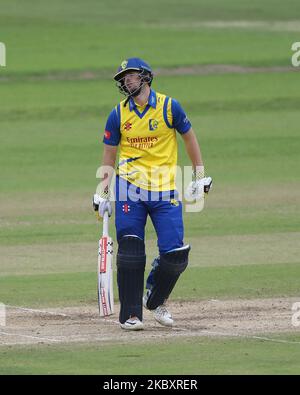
[163, 316]
[132, 324]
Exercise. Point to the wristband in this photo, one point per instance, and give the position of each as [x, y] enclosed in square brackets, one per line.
[104, 194]
[198, 173]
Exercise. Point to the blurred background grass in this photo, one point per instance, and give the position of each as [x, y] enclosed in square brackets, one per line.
[57, 91]
[55, 95]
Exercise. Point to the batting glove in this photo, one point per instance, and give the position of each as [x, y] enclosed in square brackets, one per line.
[199, 186]
[101, 203]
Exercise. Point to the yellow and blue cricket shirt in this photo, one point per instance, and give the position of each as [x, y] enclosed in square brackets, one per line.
[147, 138]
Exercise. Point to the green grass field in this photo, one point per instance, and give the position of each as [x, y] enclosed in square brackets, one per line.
[207, 356]
[245, 244]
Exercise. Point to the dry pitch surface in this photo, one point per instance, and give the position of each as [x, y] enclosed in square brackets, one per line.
[255, 318]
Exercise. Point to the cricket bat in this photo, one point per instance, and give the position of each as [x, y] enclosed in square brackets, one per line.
[105, 272]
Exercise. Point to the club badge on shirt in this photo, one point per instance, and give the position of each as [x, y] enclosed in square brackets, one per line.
[153, 124]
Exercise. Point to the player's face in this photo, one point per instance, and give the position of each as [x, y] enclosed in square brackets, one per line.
[132, 81]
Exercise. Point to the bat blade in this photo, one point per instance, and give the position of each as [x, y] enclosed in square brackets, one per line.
[105, 277]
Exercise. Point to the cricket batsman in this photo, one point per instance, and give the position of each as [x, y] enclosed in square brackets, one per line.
[144, 126]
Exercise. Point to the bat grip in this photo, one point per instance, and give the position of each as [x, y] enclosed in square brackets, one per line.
[105, 224]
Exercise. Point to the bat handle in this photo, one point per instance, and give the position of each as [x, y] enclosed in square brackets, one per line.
[105, 224]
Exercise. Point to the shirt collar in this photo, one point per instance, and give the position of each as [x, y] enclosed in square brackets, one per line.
[151, 101]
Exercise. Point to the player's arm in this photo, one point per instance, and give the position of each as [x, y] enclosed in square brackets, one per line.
[111, 141]
[193, 150]
[108, 163]
[182, 124]
[199, 183]
[101, 200]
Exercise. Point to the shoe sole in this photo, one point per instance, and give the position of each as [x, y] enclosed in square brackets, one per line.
[164, 323]
[136, 327]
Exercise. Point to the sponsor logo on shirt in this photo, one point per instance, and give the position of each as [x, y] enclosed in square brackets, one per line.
[142, 142]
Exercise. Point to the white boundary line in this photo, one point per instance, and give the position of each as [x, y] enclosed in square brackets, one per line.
[250, 337]
[30, 337]
[57, 314]
[84, 338]
[275, 340]
[110, 321]
[37, 311]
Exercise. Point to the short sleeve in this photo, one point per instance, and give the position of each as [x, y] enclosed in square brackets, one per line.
[180, 121]
[112, 133]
